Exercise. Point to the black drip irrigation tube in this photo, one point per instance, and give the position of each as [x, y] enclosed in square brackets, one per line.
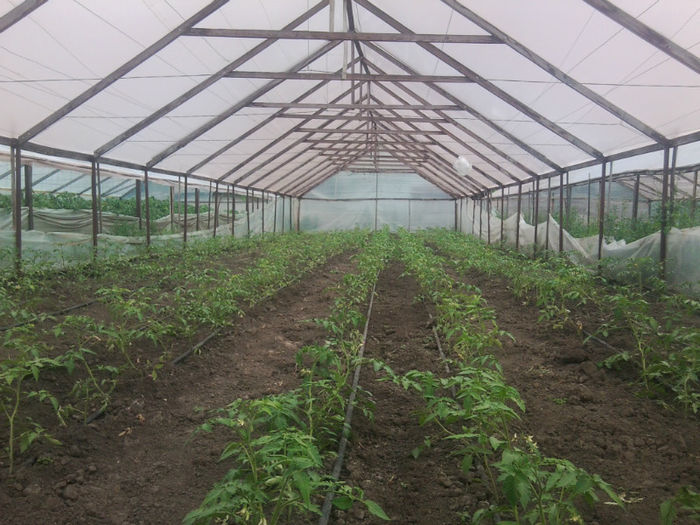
[328, 502]
[51, 314]
[179, 359]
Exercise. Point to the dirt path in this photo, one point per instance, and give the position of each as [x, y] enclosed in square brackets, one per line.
[138, 464]
[592, 417]
[423, 490]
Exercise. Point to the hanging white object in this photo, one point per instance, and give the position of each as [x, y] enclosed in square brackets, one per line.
[462, 165]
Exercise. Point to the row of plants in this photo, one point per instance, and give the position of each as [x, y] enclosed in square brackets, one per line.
[91, 353]
[663, 348]
[122, 206]
[475, 408]
[282, 445]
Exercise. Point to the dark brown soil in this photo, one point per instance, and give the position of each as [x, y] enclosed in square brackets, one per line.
[140, 463]
[427, 489]
[590, 416]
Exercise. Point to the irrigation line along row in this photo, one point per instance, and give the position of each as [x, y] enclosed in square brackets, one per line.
[328, 502]
[442, 354]
[51, 314]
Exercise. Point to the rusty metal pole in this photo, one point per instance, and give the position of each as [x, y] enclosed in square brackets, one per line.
[588, 208]
[148, 208]
[263, 212]
[93, 190]
[247, 211]
[16, 168]
[601, 213]
[233, 211]
[549, 212]
[196, 209]
[537, 212]
[517, 223]
[172, 208]
[664, 214]
[274, 219]
[137, 192]
[184, 224]
[695, 197]
[29, 196]
[635, 201]
[216, 207]
[561, 212]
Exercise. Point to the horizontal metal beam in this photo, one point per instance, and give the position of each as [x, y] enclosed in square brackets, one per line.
[342, 35]
[371, 131]
[362, 77]
[374, 118]
[309, 105]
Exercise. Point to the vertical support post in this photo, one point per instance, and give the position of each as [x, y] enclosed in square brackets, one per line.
[196, 209]
[601, 213]
[284, 218]
[588, 207]
[456, 213]
[148, 208]
[93, 189]
[228, 201]
[488, 219]
[481, 215]
[517, 223]
[568, 200]
[473, 216]
[209, 208]
[274, 218]
[672, 188]
[549, 212]
[29, 196]
[695, 197]
[16, 168]
[664, 214]
[263, 212]
[503, 197]
[247, 211]
[291, 223]
[233, 211]
[299, 216]
[184, 224]
[635, 201]
[137, 192]
[172, 206]
[537, 212]
[216, 207]
[561, 212]
[99, 196]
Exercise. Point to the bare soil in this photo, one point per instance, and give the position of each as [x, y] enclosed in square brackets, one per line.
[593, 417]
[140, 463]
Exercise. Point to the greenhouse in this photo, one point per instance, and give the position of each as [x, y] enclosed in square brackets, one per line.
[349, 261]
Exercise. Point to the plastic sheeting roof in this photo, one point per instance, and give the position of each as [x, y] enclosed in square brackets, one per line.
[280, 95]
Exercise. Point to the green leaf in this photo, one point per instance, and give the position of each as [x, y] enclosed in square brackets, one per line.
[467, 462]
[343, 502]
[376, 510]
[667, 512]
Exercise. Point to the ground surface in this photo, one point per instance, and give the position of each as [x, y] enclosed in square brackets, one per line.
[140, 464]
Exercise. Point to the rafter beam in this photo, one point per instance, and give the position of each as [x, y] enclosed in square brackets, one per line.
[341, 35]
[348, 77]
[646, 33]
[19, 12]
[309, 105]
[373, 118]
[373, 131]
[488, 86]
[556, 72]
[236, 107]
[465, 107]
[119, 72]
[190, 93]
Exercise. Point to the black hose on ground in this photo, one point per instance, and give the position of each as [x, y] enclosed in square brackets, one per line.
[328, 502]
